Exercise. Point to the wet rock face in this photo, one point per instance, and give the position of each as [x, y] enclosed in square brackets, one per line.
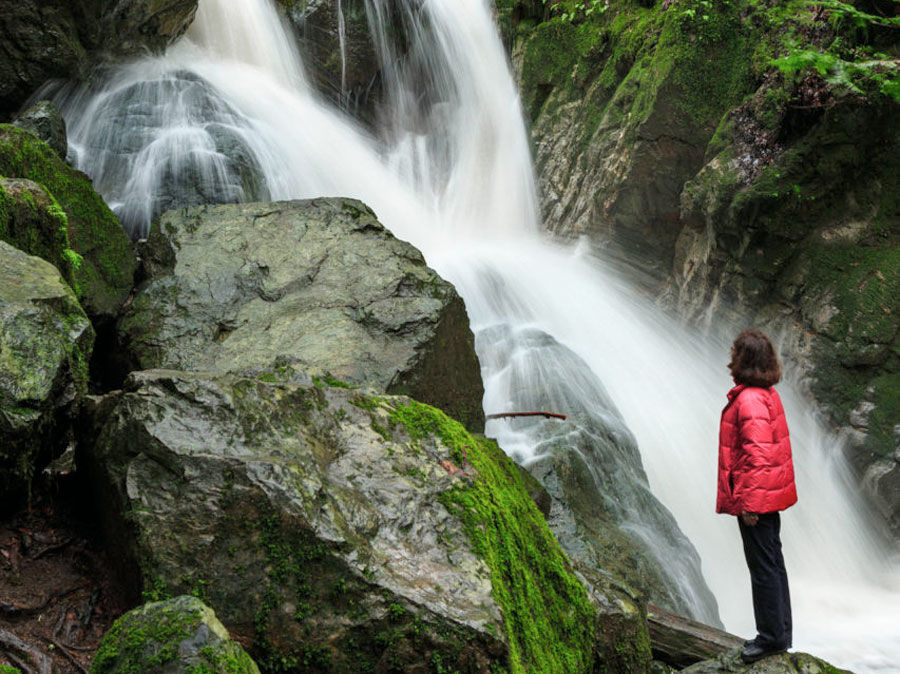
[167, 142]
[315, 530]
[621, 117]
[177, 636]
[58, 39]
[321, 284]
[337, 46]
[45, 345]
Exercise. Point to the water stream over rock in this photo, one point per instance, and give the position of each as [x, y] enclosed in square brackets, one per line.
[229, 115]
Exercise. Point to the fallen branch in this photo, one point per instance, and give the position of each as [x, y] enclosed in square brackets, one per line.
[504, 415]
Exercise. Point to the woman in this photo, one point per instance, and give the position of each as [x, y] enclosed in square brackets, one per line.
[756, 482]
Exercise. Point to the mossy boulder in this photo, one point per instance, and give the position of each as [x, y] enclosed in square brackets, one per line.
[177, 636]
[61, 38]
[32, 221]
[46, 122]
[319, 283]
[45, 345]
[786, 663]
[103, 277]
[336, 531]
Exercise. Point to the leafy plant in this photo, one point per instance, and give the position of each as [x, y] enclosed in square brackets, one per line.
[858, 77]
[579, 9]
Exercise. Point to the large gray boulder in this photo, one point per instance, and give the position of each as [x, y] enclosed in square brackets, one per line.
[45, 39]
[45, 346]
[177, 636]
[317, 283]
[336, 531]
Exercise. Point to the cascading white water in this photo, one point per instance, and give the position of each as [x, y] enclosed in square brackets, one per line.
[452, 174]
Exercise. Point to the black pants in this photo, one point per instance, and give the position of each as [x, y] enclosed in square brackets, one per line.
[768, 578]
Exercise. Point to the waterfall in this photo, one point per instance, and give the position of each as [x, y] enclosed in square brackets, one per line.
[228, 114]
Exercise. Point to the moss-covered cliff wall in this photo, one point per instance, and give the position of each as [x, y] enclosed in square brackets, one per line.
[744, 152]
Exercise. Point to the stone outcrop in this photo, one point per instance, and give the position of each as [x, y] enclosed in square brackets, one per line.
[46, 122]
[338, 48]
[621, 115]
[207, 161]
[103, 271]
[177, 636]
[41, 40]
[321, 284]
[45, 345]
[333, 529]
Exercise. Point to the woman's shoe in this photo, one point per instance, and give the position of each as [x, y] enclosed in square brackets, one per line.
[755, 652]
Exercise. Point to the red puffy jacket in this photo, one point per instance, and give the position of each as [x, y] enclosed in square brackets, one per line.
[756, 472]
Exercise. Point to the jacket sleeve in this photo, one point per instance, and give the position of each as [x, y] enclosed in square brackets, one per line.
[755, 439]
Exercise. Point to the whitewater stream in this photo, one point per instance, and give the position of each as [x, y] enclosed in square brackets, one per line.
[450, 171]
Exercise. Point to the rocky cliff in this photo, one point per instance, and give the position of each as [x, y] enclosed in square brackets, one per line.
[741, 152]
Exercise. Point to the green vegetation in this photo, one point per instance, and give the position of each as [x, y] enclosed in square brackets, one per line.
[7, 669]
[548, 617]
[85, 226]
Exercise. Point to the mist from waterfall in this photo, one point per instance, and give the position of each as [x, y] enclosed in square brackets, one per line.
[451, 173]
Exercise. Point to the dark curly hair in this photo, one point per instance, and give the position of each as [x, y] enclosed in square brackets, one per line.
[753, 360]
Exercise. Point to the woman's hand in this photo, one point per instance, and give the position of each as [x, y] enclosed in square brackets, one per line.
[749, 519]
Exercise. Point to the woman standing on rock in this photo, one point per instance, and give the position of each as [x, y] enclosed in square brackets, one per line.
[756, 481]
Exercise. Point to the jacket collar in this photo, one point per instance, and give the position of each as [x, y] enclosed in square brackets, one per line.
[735, 392]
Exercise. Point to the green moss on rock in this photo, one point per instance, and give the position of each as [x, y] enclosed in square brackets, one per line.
[177, 636]
[548, 617]
[105, 276]
[32, 221]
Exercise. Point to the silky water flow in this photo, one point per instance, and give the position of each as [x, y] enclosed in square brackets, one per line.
[228, 114]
